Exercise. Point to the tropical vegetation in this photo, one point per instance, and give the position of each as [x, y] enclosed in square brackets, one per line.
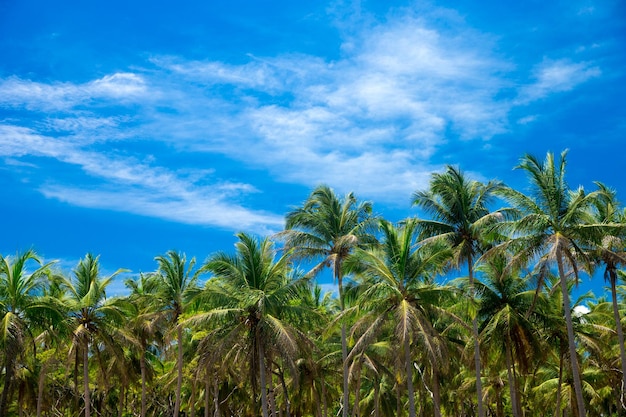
[471, 307]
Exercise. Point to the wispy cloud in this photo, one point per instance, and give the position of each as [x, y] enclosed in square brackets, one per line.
[17, 92]
[556, 77]
[371, 121]
[131, 185]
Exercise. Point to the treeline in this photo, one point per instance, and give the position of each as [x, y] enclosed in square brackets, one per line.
[249, 332]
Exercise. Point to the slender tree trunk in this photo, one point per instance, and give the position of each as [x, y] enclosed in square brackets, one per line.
[179, 364]
[570, 338]
[344, 345]
[86, 379]
[436, 392]
[512, 385]
[377, 398]
[357, 388]
[261, 352]
[324, 402]
[477, 365]
[76, 396]
[120, 411]
[192, 400]
[409, 376]
[281, 375]
[8, 379]
[216, 398]
[271, 396]
[142, 366]
[40, 387]
[207, 390]
[620, 338]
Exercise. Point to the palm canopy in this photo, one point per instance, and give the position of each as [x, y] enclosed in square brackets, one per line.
[23, 308]
[21, 295]
[92, 315]
[328, 227]
[460, 212]
[551, 218]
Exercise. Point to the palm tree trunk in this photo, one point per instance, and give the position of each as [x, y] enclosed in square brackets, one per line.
[8, 377]
[377, 398]
[620, 338]
[120, 410]
[86, 379]
[512, 385]
[570, 339]
[192, 400]
[344, 345]
[216, 398]
[477, 365]
[283, 384]
[40, 387]
[436, 392]
[179, 364]
[270, 391]
[409, 376]
[142, 365]
[261, 353]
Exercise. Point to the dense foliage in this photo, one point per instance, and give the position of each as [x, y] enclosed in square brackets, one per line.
[463, 310]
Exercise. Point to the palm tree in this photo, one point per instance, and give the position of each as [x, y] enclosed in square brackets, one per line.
[254, 295]
[507, 325]
[177, 283]
[398, 290]
[555, 221]
[146, 323]
[327, 227]
[22, 307]
[460, 215]
[92, 316]
[610, 251]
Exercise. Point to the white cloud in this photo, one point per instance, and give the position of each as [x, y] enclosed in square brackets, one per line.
[556, 77]
[371, 121]
[121, 87]
[138, 187]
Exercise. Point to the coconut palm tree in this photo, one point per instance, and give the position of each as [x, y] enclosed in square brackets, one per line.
[146, 324]
[22, 308]
[253, 294]
[399, 291]
[610, 250]
[327, 228]
[460, 213]
[92, 316]
[176, 285]
[507, 325]
[554, 224]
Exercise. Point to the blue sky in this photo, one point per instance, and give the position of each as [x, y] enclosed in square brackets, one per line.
[131, 128]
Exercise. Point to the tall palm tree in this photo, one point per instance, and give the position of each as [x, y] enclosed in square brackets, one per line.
[254, 294]
[610, 250]
[22, 308]
[460, 213]
[177, 283]
[146, 324]
[93, 317]
[555, 222]
[399, 291]
[507, 325]
[328, 228]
